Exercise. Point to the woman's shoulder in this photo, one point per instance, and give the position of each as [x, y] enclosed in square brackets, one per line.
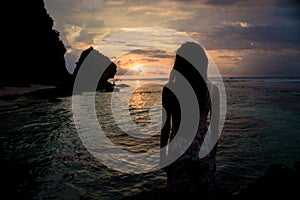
[167, 91]
[166, 87]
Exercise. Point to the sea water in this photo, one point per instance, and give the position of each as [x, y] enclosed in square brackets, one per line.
[42, 155]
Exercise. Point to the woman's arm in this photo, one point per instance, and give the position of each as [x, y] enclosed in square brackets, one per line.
[165, 131]
[166, 118]
[211, 139]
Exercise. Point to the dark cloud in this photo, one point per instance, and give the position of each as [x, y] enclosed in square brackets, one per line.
[134, 72]
[263, 37]
[60, 7]
[86, 36]
[222, 2]
[288, 3]
[153, 53]
[150, 59]
[74, 7]
[286, 36]
[288, 8]
[186, 0]
[94, 23]
[157, 72]
[271, 63]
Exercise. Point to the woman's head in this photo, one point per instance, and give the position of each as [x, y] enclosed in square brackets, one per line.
[191, 60]
[192, 63]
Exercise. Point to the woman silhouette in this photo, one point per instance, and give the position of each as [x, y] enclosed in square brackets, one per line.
[190, 175]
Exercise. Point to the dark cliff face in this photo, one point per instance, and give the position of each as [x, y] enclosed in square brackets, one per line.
[33, 51]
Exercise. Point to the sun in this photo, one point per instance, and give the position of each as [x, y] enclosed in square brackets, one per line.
[140, 69]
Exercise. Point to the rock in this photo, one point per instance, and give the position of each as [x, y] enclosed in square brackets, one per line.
[278, 182]
[32, 52]
[98, 64]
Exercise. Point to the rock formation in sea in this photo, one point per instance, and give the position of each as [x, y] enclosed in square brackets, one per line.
[95, 64]
[278, 182]
[32, 50]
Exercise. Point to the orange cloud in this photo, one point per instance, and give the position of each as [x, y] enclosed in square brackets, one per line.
[143, 57]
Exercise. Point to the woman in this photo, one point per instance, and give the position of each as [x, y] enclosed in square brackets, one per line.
[190, 175]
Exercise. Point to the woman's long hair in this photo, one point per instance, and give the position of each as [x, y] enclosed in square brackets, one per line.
[192, 63]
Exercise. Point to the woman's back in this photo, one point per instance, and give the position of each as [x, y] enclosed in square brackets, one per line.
[189, 174]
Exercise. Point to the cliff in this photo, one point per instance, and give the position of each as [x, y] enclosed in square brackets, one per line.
[33, 51]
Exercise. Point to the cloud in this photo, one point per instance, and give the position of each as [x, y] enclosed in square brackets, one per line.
[223, 2]
[125, 61]
[149, 70]
[242, 24]
[87, 36]
[73, 16]
[58, 7]
[271, 63]
[94, 23]
[288, 9]
[262, 37]
[133, 72]
[153, 53]
[157, 73]
[115, 2]
[150, 59]
[268, 29]
[288, 3]
[72, 32]
[121, 71]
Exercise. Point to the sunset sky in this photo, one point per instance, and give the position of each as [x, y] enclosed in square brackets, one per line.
[244, 37]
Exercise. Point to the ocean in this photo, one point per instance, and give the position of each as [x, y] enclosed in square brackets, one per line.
[43, 156]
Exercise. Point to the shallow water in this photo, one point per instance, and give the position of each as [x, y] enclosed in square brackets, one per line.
[43, 155]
